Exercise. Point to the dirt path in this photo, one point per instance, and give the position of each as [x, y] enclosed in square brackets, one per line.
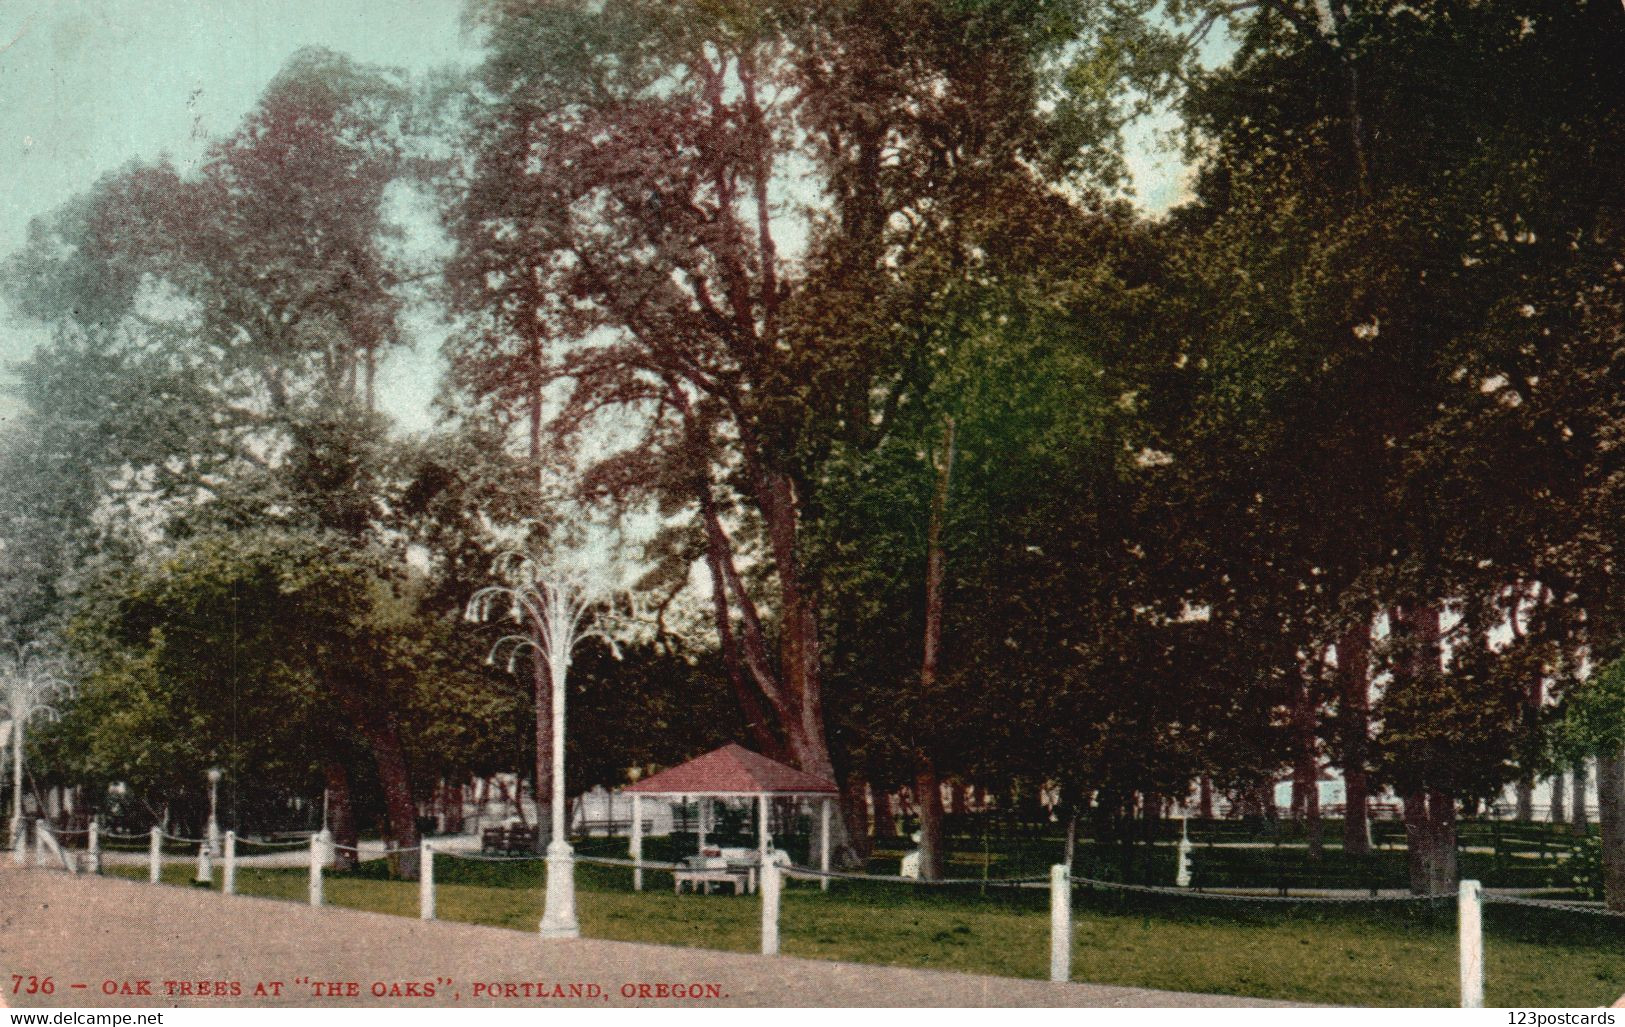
[112, 935]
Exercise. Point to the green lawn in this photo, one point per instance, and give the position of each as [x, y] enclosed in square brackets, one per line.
[1361, 955]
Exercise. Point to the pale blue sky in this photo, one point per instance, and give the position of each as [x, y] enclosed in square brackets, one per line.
[88, 85]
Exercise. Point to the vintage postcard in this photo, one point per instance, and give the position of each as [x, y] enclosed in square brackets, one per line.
[514, 504]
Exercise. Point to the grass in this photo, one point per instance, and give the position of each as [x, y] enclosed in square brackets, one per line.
[1369, 955]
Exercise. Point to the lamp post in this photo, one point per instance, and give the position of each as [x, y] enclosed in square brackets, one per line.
[215, 773]
[557, 612]
[30, 681]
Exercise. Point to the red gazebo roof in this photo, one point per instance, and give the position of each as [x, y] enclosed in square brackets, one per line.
[733, 770]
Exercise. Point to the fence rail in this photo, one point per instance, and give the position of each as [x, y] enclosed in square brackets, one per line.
[1061, 885]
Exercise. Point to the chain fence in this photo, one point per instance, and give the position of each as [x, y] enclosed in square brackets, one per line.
[1060, 888]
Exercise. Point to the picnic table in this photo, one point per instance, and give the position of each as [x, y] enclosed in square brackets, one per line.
[737, 868]
[743, 879]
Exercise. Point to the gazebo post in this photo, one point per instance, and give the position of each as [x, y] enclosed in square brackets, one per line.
[705, 807]
[761, 829]
[823, 844]
[637, 842]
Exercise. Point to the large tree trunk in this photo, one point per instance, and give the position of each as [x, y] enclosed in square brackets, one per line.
[1430, 815]
[799, 658]
[928, 801]
[794, 690]
[341, 814]
[757, 724]
[1354, 688]
[1611, 812]
[399, 804]
[1430, 842]
[378, 729]
[1558, 813]
[1204, 800]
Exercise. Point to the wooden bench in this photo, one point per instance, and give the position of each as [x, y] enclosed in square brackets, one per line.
[508, 839]
[743, 879]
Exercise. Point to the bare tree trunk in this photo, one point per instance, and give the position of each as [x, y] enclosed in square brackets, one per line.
[454, 803]
[757, 724]
[1611, 812]
[1559, 813]
[1430, 815]
[885, 818]
[1354, 688]
[927, 786]
[382, 736]
[854, 816]
[515, 798]
[399, 805]
[799, 646]
[1316, 828]
[928, 799]
[794, 690]
[1525, 809]
[1578, 822]
[341, 813]
[1204, 802]
[1430, 842]
[1306, 766]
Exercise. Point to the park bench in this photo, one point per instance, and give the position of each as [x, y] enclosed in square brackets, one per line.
[718, 865]
[507, 840]
[700, 872]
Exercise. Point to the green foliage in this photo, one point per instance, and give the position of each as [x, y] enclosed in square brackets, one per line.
[1585, 867]
[1593, 713]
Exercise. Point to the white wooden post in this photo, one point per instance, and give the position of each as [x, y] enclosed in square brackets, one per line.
[1470, 905]
[94, 847]
[426, 884]
[316, 853]
[1060, 923]
[229, 877]
[637, 842]
[705, 807]
[770, 909]
[155, 843]
[823, 844]
[205, 867]
[761, 831]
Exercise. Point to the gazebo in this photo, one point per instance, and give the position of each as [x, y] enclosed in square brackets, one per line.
[734, 772]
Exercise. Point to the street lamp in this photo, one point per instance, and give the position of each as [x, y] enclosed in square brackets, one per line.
[557, 612]
[215, 773]
[31, 681]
